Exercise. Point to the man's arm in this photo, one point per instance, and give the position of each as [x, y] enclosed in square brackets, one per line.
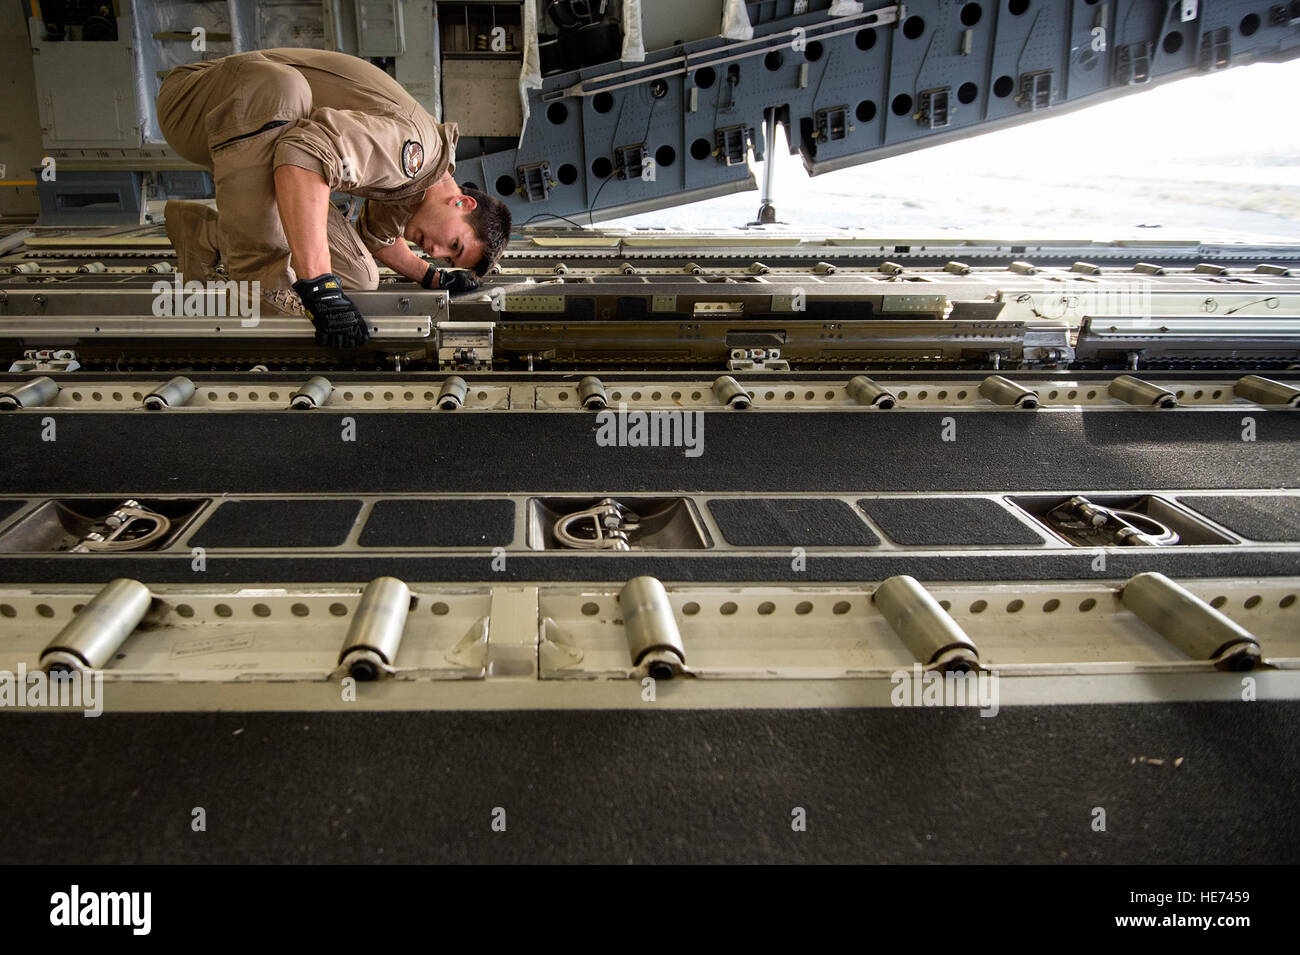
[402, 260]
[303, 200]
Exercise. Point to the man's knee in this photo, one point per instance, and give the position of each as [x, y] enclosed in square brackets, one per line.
[357, 275]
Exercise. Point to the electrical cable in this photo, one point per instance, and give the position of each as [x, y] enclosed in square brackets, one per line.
[553, 215]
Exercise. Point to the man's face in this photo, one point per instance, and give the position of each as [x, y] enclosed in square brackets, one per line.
[441, 227]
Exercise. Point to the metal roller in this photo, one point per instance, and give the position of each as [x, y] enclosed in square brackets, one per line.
[376, 631]
[94, 267]
[1189, 623]
[30, 394]
[160, 268]
[1138, 392]
[1004, 391]
[24, 268]
[866, 392]
[313, 394]
[452, 394]
[730, 393]
[1266, 391]
[591, 392]
[15, 240]
[653, 639]
[94, 635]
[175, 394]
[925, 628]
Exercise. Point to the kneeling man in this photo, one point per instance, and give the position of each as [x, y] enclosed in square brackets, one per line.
[280, 130]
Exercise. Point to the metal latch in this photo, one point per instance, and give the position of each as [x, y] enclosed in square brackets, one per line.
[46, 359]
[757, 359]
[607, 526]
[129, 527]
[465, 344]
[1082, 521]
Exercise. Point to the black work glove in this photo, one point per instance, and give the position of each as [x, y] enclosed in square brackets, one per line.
[457, 281]
[338, 323]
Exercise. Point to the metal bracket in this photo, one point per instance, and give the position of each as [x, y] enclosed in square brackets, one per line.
[832, 123]
[1133, 63]
[1285, 14]
[1216, 49]
[535, 181]
[932, 109]
[733, 143]
[555, 648]
[472, 650]
[757, 359]
[1035, 90]
[630, 160]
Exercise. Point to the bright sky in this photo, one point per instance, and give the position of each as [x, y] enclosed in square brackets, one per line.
[1210, 152]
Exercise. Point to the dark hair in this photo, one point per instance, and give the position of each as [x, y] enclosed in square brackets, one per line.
[490, 221]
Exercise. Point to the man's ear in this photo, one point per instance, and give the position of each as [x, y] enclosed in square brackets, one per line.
[466, 203]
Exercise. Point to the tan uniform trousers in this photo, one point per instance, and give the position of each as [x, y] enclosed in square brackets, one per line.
[234, 137]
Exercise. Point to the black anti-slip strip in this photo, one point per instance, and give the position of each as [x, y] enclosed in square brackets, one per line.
[941, 521]
[1272, 517]
[7, 508]
[903, 785]
[451, 523]
[791, 522]
[754, 451]
[482, 568]
[297, 523]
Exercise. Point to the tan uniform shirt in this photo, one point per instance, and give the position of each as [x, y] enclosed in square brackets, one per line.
[366, 136]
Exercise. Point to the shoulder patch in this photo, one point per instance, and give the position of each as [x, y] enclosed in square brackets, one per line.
[412, 158]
